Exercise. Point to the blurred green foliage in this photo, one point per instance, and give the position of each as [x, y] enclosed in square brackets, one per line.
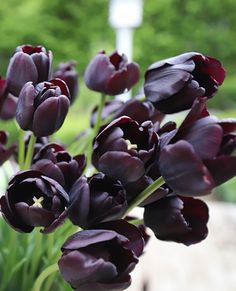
[78, 29]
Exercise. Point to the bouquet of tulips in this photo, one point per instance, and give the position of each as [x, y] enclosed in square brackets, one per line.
[128, 158]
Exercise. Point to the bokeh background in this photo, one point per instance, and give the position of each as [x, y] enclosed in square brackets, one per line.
[78, 29]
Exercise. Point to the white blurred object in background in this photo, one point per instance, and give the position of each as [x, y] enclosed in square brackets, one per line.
[124, 17]
[207, 266]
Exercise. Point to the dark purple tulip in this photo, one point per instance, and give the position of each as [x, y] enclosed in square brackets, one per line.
[5, 153]
[43, 108]
[96, 199]
[68, 73]
[173, 84]
[101, 259]
[112, 74]
[29, 63]
[33, 200]
[178, 219]
[3, 91]
[199, 155]
[8, 108]
[133, 108]
[109, 110]
[7, 101]
[125, 149]
[55, 162]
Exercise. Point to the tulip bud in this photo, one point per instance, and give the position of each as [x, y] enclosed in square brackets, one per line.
[112, 74]
[5, 153]
[68, 73]
[43, 108]
[29, 63]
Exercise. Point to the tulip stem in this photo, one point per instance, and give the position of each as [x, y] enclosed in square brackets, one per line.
[145, 194]
[21, 148]
[96, 129]
[41, 278]
[30, 152]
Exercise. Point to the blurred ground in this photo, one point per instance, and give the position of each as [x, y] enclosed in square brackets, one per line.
[210, 265]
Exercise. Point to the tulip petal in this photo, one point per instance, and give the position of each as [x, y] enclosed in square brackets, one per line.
[21, 70]
[222, 168]
[98, 72]
[204, 135]
[122, 163]
[25, 106]
[183, 171]
[12, 219]
[50, 115]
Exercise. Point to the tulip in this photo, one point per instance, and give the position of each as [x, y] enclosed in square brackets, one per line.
[5, 153]
[133, 108]
[101, 258]
[68, 73]
[173, 84]
[43, 108]
[200, 154]
[112, 74]
[96, 199]
[55, 162]
[28, 63]
[7, 101]
[125, 149]
[178, 219]
[33, 200]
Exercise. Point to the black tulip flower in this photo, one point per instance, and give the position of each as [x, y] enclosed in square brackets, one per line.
[133, 108]
[33, 200]
[5, 153]
[200, 154]
[173, 84]
[125, 149]
[112, 74]
[101, 259]
[68, 73]
[7, 101]
[43, 108]
[109, 110]
[28, 64]
[179, 219]
[96, 199]
[55, 162]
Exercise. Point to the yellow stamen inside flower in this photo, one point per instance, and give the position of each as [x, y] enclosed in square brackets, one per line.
[130, 146]
[38, 201]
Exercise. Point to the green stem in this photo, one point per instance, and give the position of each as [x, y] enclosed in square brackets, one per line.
[21, 148]
[30, 152]
[41, 278]
[96, 129]
[36, 255]
[136, 221]
[145, 194]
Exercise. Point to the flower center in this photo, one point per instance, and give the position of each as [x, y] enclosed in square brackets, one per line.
[130, 146]
[38, 201]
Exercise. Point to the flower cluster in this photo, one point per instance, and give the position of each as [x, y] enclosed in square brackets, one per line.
[131, 158]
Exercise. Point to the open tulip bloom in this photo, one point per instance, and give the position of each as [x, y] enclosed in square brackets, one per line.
[129, 158]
